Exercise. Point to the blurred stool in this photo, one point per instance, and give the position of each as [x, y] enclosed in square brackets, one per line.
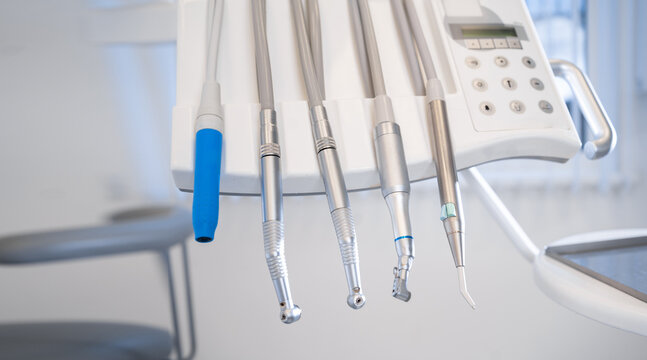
[154, 229]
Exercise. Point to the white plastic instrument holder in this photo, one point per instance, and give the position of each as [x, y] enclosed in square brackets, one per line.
[476, 138]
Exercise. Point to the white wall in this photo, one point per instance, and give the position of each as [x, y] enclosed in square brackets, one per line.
[66, 160]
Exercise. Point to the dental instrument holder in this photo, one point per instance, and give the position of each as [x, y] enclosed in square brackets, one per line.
[477, 138]
[546, 133]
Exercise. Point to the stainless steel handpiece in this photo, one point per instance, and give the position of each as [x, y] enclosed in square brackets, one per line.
[451, 208]
[272, 194]
[338, 202]
[329, 164]
[394, 180]
[270, 162]
[389, 152]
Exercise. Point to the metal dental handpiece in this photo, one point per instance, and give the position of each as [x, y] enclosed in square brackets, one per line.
[450, 198]
[329, 165]
[271, 189]
[391, 163]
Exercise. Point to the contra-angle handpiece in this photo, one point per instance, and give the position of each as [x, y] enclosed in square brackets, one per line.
[389, 151]
[450, 199]
[270, 161]
[329, 165]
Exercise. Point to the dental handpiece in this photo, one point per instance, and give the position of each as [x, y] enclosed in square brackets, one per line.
[329, 165]
[209, 129]
[391, 162]
[451, 208]
[270, 163]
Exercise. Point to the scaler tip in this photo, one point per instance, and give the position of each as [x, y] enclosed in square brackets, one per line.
[463, 287]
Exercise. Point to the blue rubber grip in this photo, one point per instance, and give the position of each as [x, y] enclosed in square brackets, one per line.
[206, 183]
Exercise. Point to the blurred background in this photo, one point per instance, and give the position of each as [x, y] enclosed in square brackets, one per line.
[85, 132]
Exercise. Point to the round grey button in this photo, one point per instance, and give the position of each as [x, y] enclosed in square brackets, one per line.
[472, 62]
[545, 106]
[501, 61]
[479, 84]
[529, 62]
[509, 83]
[537, 84]
[487, 108]
[517, 106]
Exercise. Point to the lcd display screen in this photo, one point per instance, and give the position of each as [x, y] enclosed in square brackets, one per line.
[499, 32]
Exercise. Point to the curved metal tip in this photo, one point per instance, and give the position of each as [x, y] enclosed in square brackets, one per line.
[290, 315]
[356, 300]
[400, 290]
[463, 287]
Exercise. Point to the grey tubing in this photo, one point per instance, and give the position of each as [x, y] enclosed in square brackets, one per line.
[409, 47]
[358, 33]
[310, 77]
[423, 49]
[314, 30]
[263, 68]
[371, 48]
[214, 21]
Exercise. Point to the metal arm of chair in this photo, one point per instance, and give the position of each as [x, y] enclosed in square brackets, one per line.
[594, 113]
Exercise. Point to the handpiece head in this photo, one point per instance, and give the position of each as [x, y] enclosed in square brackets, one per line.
[356, 300]
[400, 290]
[290, 315]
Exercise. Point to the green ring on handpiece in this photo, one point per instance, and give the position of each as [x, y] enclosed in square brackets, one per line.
[447, 210]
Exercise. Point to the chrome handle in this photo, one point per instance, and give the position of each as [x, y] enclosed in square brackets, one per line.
[591, 107]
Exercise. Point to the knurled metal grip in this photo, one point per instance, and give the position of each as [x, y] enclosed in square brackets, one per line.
[274, 248]
[338, 202]
[269, 134]
[345, 229]
[321, 131]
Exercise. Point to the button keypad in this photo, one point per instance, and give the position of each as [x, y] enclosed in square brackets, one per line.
[517, 84]
[501, 61]
[501, 43]
[472, 62]
[528, 62]
[486, 43]
[545, 106]
[536, 84]
[487, 108]
[517, 106]
[509, 83]
[479, 84]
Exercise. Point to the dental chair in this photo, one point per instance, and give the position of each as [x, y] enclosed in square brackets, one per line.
[153, 229]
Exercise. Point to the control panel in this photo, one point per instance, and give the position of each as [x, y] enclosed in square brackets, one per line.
[504, 86]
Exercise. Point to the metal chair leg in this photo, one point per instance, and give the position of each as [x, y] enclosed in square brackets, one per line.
[189, 301]
[173, 301]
